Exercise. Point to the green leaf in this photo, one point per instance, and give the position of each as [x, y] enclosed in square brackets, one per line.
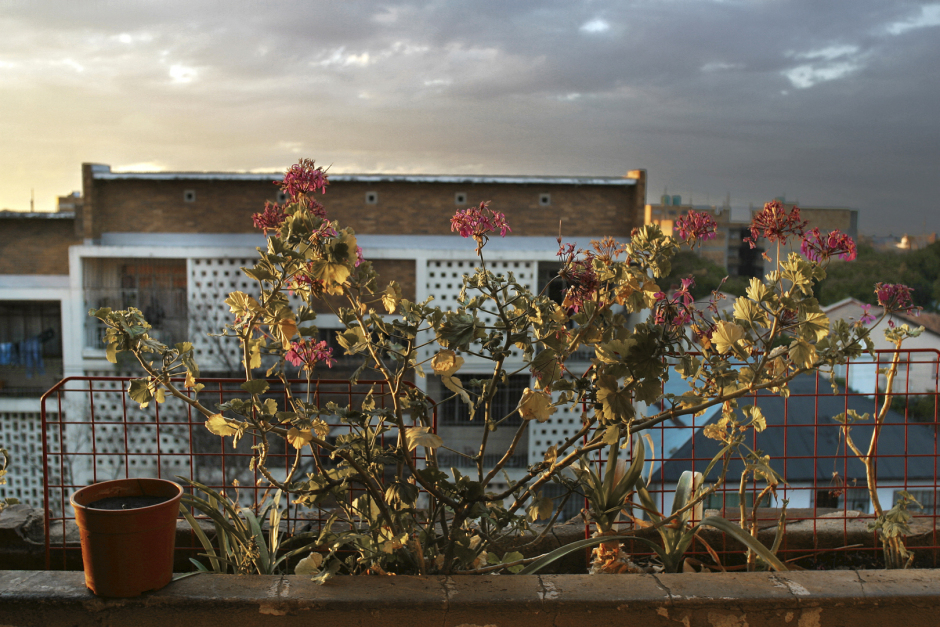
[814, 326]
[255, 386]
[746, 539]
[757, 291]
[139, 390]
[757, 417]
[748, 311]
[802, 353]
[514, 556]
[616, 404]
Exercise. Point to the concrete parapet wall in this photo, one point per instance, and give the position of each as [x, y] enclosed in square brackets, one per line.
[794, 599]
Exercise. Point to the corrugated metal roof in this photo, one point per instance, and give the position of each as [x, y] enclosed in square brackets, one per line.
[814, 453]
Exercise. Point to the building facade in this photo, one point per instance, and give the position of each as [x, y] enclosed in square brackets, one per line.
[172, 245]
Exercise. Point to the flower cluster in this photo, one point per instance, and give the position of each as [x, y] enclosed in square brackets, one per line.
[775, 224]
[479, 222]
[819, 247]
[695, 227]
[270, 219]
[303, 178]
[679, 309]
[309, 354]
[895, 297]
[580, 275]
[867, 316]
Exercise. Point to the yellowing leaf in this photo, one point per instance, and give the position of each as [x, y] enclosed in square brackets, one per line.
[536, 405]
[218, 425]
[285, 330]
[241, 304]
[725, 336]
[446, 362]
[309, 565]
[422, 436]
[299, 438]
[391, 297]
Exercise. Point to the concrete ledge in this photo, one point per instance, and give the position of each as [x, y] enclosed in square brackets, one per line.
[794, 599]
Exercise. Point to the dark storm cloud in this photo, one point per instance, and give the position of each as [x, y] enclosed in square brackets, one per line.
[829, 103]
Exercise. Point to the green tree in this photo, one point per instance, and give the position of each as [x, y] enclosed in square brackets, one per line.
[707, 274]
[919, 269]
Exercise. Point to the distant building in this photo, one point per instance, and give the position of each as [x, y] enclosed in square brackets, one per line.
[728, 249]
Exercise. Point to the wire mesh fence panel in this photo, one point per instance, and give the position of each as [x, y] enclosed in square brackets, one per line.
[823, 484]
[92, 432]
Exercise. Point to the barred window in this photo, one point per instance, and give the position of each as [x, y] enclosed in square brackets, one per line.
[453, 411]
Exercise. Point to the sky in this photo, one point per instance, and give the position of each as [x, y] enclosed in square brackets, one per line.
[829, 103]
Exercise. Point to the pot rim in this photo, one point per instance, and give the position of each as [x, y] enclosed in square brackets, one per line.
[131, 480]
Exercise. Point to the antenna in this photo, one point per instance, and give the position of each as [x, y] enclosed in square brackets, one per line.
[32, 200]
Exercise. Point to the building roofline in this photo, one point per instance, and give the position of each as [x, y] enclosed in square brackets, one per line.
[104, 173]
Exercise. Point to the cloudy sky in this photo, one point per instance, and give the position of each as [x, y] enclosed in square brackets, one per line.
[832, 103]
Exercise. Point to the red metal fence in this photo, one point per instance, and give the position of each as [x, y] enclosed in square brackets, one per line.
[105, 435]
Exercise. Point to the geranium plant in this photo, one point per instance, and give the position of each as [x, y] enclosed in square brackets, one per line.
[407, 514]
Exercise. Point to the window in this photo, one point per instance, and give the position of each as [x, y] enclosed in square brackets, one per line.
[927, 498]
[155, 286]
[189, 195]
[30, 347]
[460, 198]
[728, 500]
[454, 411]
[548, 275]
[372, 198]
[851, 498]
[545, 199]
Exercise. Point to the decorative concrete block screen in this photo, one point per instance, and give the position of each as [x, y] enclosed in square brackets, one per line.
[210, 282]
[21, 436]
[445, 280]
[563, 424]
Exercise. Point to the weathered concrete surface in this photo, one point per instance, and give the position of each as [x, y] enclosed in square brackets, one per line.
[793, 599]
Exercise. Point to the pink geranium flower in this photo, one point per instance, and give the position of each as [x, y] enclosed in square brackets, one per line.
[303, 178]
[775, 224]
[818, 247]
[479, 223]
[695, 226]
[309, 354]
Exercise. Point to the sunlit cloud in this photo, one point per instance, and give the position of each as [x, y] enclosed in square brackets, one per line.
[183, 74]
[929, 16]
[339, 57]
[805, 76]
[75, 65]
[143, 166]
[828, 64]
[597, 25]
[829, 53]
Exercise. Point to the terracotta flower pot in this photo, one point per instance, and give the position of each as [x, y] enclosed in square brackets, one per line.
[127, 551]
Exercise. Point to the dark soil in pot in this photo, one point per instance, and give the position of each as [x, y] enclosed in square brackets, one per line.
[128, 502]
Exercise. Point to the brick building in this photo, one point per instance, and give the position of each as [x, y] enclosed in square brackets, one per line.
[172, 244]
